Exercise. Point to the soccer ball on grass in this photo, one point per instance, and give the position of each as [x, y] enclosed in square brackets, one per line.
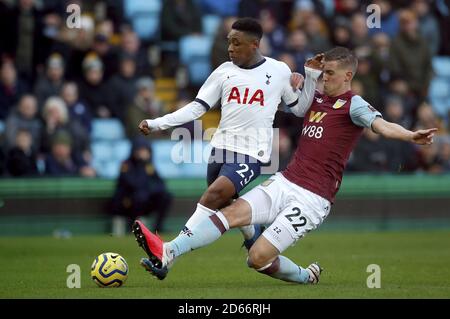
[109, 270]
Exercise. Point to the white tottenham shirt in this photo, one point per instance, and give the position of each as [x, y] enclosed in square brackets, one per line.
[249, 100]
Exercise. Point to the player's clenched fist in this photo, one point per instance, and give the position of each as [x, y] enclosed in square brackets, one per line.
[143, 127]
[297, 80]
[315, 62]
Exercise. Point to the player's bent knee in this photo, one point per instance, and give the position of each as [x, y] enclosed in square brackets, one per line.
[238, 214]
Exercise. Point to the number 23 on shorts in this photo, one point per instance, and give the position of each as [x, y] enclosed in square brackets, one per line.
[241, 172]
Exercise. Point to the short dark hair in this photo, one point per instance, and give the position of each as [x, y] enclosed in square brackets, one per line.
[248, 25]
[344, 56]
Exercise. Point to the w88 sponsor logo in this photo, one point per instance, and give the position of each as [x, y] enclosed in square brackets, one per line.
[312, 131]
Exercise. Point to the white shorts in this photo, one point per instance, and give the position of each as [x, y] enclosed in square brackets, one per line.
[291, 210]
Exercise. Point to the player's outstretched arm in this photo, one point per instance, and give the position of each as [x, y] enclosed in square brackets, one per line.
[186, 114]
[313, 69]
[395, 131]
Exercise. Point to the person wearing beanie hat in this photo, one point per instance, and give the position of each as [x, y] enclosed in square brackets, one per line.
[123, 85]
[94, 90]
[62, 161]
[140, 190]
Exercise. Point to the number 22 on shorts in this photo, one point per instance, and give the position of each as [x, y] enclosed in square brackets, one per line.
[292, 217]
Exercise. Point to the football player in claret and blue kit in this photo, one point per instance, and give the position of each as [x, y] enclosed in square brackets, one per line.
[298, 199]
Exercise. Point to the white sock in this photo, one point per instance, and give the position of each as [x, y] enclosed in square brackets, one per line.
[200, 213]
[248, 231]
[203, 233]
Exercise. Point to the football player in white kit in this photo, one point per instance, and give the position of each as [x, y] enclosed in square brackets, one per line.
[250, 88]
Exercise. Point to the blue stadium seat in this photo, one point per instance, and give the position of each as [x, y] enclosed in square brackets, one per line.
[107, 129]
[195, 53]
[441, 66]
[121, 149]
[107, 169]
[210, 24]
[162, 158]
[145, 17]
[101, 150]
[439, 94]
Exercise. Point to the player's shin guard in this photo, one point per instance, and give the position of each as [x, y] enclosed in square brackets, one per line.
[204, 233]
[284, 269]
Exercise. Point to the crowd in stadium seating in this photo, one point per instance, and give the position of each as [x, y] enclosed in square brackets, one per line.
[57, 83]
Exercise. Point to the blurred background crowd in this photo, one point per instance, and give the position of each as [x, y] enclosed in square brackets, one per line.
[71, 98]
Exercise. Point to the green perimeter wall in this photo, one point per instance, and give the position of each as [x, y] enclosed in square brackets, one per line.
[39, 206]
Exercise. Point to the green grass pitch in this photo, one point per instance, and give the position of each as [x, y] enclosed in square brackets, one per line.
[414, 264]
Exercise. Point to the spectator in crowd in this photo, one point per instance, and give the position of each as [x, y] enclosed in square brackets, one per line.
[175, 23]
[389, 22]
[399, 88]
[77, 42]
[94, 90]
[341, 33]
[123, 86]
[56, 120]
[368, 79]
[130, 45]
[24, 117]
[219, 50]
[78, 111]
[51, 83]
[62, 161]
[426, 116]
[360, 32]
[273, 32]
[11, 88]
[106, 53]
[301, 12]
[394, 111]
[379, 57]
[415, 67]
[317, 33]
[297, 46]
[140, 191]
[21, 158]
[29, 45]
[428, 24]
[145, 105]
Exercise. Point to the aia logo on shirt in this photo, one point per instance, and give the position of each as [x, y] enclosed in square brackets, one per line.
[246, 97]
